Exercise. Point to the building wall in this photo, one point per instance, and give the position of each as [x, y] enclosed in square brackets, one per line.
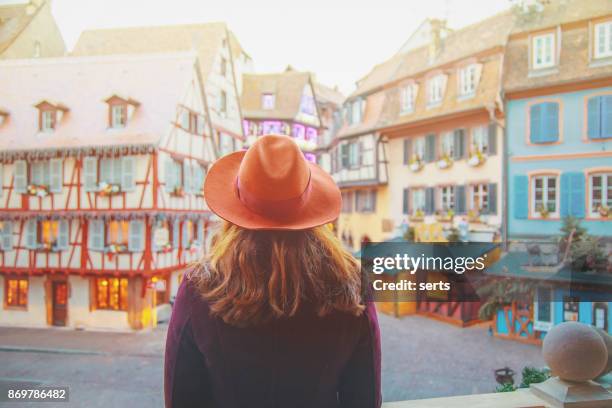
[574, 153]
[430, 175]
[358, 225]
[43, 30]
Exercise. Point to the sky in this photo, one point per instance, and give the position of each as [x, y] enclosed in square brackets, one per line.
[338, 40]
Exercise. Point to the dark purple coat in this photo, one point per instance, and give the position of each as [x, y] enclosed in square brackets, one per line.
[304, 361]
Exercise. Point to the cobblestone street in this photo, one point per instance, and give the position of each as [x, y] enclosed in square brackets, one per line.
[421, 358]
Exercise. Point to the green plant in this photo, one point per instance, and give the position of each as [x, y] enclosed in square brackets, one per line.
[501, 292]
[409, 234]
[572, 224]
[532, 375]
[587, 254]
[453, 235]
[508, 387]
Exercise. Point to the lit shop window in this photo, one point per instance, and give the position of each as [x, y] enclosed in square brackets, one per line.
[17, 292]
[111, 293]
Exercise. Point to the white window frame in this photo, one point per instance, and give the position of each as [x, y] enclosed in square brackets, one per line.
[538, 324]
[418, 200]
[418, 148]
[480, 139]
[268, 101]
[357, 111]
[467, 80]
[408, 98]
[545, 192]
[447, 198]
[435, 91]
[447, 144]
[47, 121]
[603, 31]
[606, 192]
[115, 170]
[118, 120]
[481, 192]
[543, 51]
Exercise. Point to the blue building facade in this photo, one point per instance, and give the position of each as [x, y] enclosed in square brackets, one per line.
[560, 162]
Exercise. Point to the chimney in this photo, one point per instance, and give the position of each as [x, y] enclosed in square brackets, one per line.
[438, 28]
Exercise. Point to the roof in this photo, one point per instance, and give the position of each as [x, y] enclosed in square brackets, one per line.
[325, 94]
[287, 88]
[574, 64]
[515, 265]
[205, 39]
[378, 76]
[374, 105]
[235, 46]
[92, 80]
[18, 16]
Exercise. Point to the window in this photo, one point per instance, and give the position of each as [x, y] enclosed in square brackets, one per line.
[543, 51]
[600, 315]
[47, 174]
[418, 149]
[356, 111]
[603, 40]
[468, 80]
[267, 101]
[160, 284]
[479, 197]
[118, 233]
[49, 232]
[448, 145]
[110, 170]
[418, 200]
[193, 233]
[365, 200]
[47, 120]
[353, 154]
[16, 293]
[222, 102]
[6, 235]
[50, 235]
[447, 198]
[600, 186]
[435, 89]
[599, 117]
[111, 293]
[174, 176]
[571, 309]
[480, 140]
[543, 314]
[118, 115]
[307, 105]
[347, 202]
[116, 174]
[544, 122]
[544, 196]
[408, 98]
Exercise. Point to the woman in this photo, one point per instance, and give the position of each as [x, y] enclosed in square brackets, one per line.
[273, 317]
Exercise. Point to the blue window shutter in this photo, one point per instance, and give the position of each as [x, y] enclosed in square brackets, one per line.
[564, 193]
[606, 116]
[460, 199]
[551, 123]
[492, 193]
[492, 136]
[535, 123]
[594, 117]
[521, 197]
[406, 202]
[430, 148]
[577, 194]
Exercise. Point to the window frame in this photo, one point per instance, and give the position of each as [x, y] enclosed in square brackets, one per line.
[534, 50]
[18, 304]
[543, 325]
[468, 72]
[414, 207]
[435, 88]
[607, 53]
[117, 115]
[448, 198]
[480, 190]
[533, 212]
[447, 137]
[48, 120]
[268, 101]
[123, 302]
[606, 192]
[483, 145]
[365, 201]
[408, 98]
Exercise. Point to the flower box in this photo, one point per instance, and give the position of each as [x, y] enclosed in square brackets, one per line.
[116, 248]
[178, 191]
[476, 159]
[604, 211]
[108, 189]
[415, 164]
[48, 247]
[418, 216]
[445, 162]
[446, 216]
[38, 190]
[165, 248]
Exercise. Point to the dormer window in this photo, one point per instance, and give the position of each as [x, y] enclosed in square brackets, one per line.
[435, 90]
[267, 101]
[603, 39]
[3, 116]
[543, 47]
[49, 115]
[120, 110]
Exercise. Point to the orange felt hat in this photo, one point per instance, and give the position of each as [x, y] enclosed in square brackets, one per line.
[271, 186]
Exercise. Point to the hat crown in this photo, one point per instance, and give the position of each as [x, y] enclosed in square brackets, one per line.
[274, 169]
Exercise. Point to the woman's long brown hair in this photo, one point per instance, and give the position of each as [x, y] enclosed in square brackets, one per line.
[251, 277]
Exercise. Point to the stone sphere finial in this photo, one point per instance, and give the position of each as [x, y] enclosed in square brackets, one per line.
[575, 352]
[608, 340]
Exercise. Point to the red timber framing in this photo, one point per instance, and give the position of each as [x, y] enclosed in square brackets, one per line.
[518, 320]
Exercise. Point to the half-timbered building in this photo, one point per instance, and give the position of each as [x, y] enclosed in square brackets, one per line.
[101, 178]
[281, 103]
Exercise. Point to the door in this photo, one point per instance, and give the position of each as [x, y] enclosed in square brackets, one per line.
[60, 303]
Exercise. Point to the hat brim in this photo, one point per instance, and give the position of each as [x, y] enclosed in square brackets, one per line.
[322, 206]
